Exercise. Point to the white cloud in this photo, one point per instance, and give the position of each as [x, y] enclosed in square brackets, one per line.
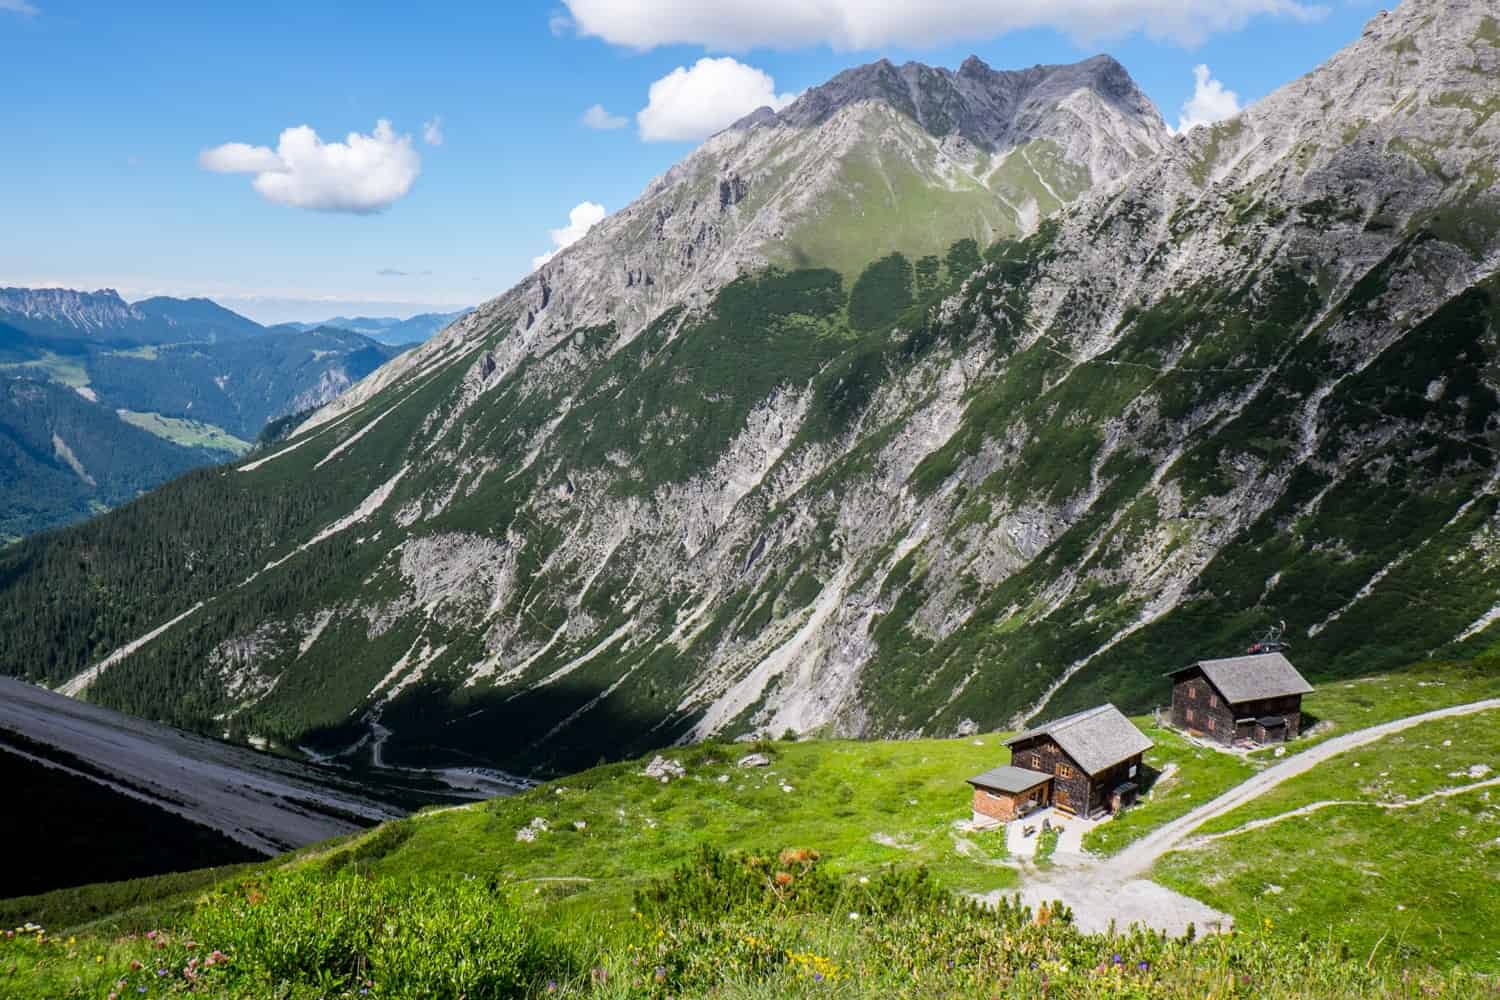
[736, 26]
[597, 117]
[695, 103]
[19, 7]
[1210, 102]
[432, 132]
[241, 158]
[362, 174]
[580, 220]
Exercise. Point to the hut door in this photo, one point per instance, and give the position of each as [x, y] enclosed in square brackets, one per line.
[1061, 797]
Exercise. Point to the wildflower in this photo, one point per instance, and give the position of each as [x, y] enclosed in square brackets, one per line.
[660, 973]
[72, 941]
[1143, 965]
[853, 916]
[1118, 960]
[552, 986]
[151, 935]
[98, 959]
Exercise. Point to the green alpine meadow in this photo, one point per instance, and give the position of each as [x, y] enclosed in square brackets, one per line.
[953, 534]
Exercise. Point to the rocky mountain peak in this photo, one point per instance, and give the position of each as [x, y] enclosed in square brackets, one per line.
[816, 185]
[984, 105]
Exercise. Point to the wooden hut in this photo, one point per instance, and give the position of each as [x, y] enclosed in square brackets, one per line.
[1255, 699]
[1087, 763]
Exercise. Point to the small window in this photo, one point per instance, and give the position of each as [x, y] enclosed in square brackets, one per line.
[1064, 771]
[1213, 701]
[1210, 725]
[1036, 760]
[1190, 715]
[1193, 693]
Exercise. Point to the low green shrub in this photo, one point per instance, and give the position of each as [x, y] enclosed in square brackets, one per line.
[344, 934]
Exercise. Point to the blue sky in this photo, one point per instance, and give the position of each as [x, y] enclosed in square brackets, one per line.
[106, 109]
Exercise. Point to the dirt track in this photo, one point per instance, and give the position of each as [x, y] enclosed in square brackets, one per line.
[1105, 890]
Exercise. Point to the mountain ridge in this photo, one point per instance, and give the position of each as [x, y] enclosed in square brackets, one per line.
[66, 314]
[103, 399]
[735, 204]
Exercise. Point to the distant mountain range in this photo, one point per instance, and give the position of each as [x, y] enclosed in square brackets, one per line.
[101, 399]
[386, 329]
[102, 317]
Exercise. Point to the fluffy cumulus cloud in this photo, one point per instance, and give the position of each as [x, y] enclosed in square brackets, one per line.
[1210, 102]
[737, 26]
[432, 132]
[597, 117]
[689, 104]
[362, 174]
[580, 221]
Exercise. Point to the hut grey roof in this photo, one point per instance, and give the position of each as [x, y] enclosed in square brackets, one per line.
[1095, 738]
[1251, 678]
[1009, 779]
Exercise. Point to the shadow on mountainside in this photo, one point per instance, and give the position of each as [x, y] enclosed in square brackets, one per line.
[543, 732]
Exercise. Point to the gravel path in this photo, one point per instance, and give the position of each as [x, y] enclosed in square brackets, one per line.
[1102, 891]
[1138, 858]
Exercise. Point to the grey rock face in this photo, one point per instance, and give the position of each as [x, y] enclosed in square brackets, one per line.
[82, 311]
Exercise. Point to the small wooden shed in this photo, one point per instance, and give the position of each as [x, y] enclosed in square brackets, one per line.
[1257, 699]
[1007, 792]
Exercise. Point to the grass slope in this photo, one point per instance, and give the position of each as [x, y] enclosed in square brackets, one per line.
[600, 866]
[1420, 878]
[1192, 774]
[188, 433]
